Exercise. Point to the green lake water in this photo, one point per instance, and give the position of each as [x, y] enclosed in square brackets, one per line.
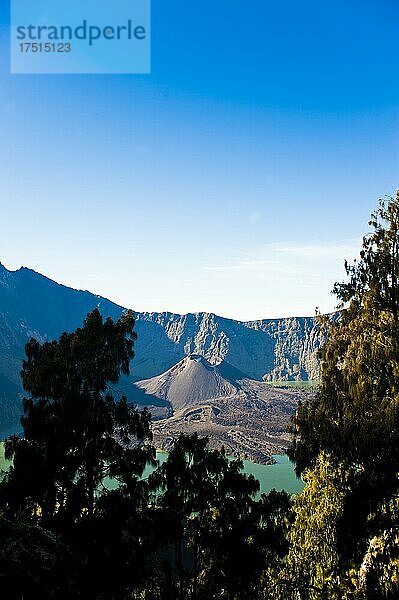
[280, 476]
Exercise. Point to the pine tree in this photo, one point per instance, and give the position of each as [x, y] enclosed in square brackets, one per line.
[355, 417]
[75, 433]
[223, 537]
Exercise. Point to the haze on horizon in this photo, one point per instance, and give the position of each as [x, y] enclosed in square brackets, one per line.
[235, 179]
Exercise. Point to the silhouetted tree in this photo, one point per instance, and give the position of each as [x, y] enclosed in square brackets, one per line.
[222, 536]
[77, 437]
[75, 432]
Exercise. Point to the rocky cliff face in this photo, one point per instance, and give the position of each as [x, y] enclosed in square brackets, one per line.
[295, 345]
[32, 305]
[272, 349]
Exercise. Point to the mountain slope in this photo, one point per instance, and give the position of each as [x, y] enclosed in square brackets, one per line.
[193, 380]
[31, 305]
[273, 349]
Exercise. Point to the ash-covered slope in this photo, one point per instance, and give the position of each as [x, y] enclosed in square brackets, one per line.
[246, 417]
[192, 381]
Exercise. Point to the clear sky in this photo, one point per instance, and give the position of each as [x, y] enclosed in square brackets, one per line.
[233, 179]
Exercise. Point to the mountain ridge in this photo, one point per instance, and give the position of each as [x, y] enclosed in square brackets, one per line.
[33, 305]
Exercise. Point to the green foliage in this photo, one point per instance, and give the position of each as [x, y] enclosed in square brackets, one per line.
[378, 576]
[313, 563]
[355, 417]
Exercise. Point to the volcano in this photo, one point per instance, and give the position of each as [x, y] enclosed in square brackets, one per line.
[192, 381]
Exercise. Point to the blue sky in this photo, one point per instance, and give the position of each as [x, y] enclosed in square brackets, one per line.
[233, 179]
